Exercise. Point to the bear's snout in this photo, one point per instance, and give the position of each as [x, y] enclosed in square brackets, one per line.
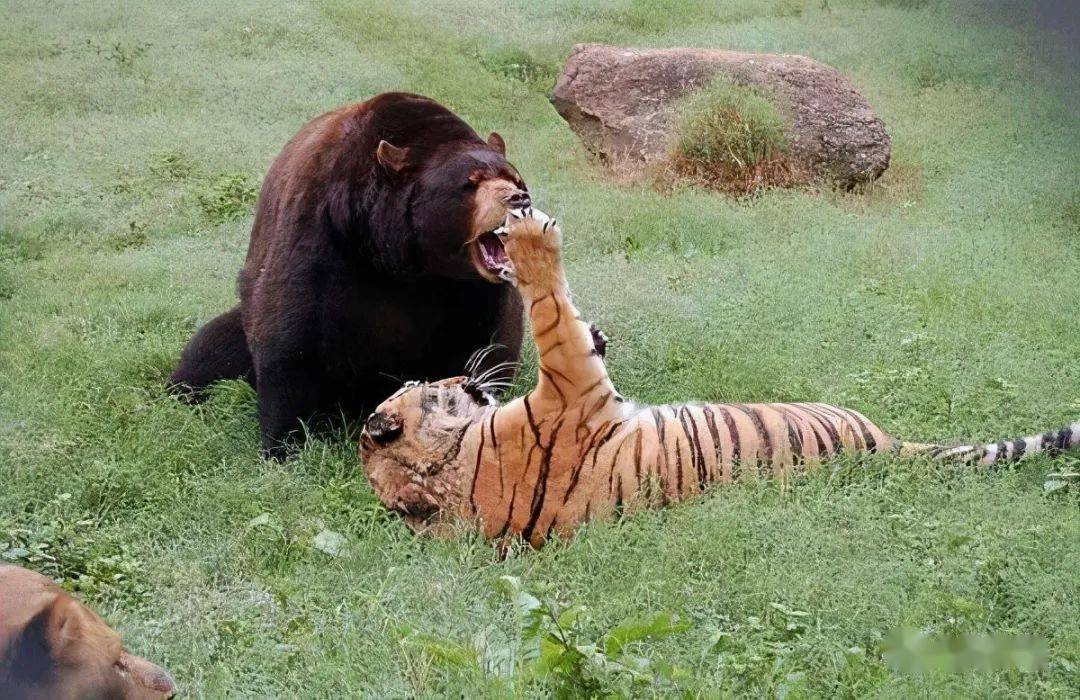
[518, 199]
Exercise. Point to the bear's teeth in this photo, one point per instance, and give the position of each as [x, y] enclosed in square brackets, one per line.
[506, 273]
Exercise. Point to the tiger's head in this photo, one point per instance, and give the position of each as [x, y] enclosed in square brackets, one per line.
[411, 443]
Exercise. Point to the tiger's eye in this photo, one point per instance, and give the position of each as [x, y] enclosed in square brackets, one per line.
[383, 428]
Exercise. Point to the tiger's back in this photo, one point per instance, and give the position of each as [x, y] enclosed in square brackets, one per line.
[626, 456]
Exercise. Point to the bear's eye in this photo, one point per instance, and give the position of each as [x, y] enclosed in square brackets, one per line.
[468, 185]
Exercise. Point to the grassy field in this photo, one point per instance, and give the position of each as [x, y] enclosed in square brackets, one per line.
[943, 304]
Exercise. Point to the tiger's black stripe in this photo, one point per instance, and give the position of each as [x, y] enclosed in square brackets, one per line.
[558, 316]
[613, 467]
[1019, 447]
[867, 434]
[540, 490]
[678, 468]
[714, 433]
[830, 429]
[661, 446]
[762, 432]
[697, 457]
[476, 471]
[637, 457]
[794, 440]
[584, 457]
[812, 422]
[733, 432]
[498, 453]
[554, 385]
[860, 444]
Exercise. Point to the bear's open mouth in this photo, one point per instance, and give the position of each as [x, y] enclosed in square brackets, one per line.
[490, 258]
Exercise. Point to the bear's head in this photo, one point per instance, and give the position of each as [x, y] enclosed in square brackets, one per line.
[455, 195]
[53, 646]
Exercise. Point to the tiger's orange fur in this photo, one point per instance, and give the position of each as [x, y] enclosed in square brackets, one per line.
[573, 449]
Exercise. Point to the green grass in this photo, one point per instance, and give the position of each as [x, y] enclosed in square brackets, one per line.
[730, 125]
[942, 302]
[731, 137]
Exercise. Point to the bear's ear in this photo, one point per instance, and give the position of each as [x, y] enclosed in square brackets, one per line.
[391, 156]
[496, 142]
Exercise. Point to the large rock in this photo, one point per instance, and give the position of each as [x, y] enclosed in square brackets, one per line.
[621, 102]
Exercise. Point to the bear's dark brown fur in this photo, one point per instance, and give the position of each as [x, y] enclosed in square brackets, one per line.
[370, 263]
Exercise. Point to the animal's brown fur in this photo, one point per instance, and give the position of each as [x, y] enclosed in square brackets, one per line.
[53, 646]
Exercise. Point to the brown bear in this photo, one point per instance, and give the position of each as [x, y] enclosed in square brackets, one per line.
[372, 261]
[53, 646]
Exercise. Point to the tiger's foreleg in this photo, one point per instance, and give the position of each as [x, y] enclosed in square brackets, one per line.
[570, 350]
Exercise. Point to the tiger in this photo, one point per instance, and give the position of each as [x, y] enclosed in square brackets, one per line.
[574, 449]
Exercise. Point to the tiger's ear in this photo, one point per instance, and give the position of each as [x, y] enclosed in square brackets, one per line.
[496, 142]
[391, 156]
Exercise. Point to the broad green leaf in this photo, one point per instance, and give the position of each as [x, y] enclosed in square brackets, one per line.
[512, 588]
[1052, 485]
[16, 553]
[554, 656]
[658, 627]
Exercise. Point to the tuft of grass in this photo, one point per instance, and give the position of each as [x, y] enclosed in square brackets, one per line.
[732, 138]
[1070, 213]
[789, 8]
[172, 164]
[227, 197]
[905, 4]
[134, 237]
[68, 545]
[517, 64]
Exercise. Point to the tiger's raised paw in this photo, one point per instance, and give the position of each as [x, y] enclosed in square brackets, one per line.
[533, 243]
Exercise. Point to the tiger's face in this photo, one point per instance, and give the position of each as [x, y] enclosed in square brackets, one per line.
[411, 442]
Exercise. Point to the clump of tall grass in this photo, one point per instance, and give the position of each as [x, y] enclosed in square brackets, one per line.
[732, 138]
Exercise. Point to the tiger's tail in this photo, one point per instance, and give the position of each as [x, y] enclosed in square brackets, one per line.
[1053, 443]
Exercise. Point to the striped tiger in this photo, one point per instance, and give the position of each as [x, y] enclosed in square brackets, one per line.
[574, 449]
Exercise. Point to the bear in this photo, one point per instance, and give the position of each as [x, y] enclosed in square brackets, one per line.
[372, 260]
[53, 646]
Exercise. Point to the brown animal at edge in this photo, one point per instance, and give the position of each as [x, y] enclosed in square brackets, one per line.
[574, 450]
[54, 647]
